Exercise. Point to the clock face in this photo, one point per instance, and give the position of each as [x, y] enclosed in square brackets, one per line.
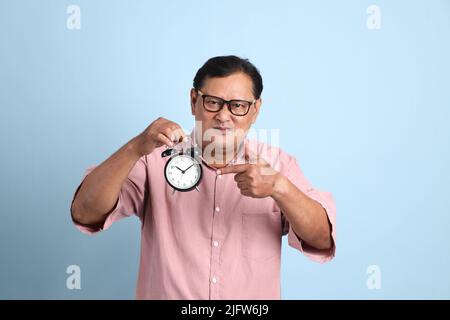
[183, 172]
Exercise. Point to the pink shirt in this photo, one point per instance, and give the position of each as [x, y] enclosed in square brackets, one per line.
[215, 243]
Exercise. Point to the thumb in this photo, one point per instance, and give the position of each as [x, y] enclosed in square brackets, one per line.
[252, 156]
[249, 155]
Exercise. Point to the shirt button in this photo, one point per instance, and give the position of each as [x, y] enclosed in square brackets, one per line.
[214, 280]
[217, 209]
[219, 176]
[216, 244]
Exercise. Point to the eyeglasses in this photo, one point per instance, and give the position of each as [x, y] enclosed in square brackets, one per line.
[215, 104]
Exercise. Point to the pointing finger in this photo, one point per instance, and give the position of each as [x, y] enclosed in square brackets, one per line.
[238, 168]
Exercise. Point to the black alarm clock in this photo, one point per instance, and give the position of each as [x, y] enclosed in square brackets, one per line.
[183, 170]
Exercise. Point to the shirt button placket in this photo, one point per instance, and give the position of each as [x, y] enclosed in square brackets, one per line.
[216, 234]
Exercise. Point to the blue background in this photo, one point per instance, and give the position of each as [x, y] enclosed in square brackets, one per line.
[364, 111]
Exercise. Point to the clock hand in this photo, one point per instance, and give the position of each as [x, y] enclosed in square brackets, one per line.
[188, 168]
[182, 171]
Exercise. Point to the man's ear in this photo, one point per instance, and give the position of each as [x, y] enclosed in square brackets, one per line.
[255, 114]
[194, 97]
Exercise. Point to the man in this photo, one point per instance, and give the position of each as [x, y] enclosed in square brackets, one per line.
[222, 241]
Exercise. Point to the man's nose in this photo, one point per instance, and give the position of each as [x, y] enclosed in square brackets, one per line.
[224, 114]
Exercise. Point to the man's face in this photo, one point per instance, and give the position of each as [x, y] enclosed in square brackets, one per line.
[223, 130]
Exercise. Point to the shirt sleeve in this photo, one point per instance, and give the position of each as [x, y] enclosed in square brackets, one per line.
[325, 199]
[131, 201]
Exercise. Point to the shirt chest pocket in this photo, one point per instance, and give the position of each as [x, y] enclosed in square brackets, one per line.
[261, 235]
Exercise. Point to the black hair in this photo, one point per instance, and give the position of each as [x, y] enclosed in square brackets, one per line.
[224, 66]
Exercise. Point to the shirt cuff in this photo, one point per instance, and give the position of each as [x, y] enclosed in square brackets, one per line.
[110, 219]
[321, 256]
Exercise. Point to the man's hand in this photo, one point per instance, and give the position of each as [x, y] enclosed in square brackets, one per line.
[159, 132]
[256, 178]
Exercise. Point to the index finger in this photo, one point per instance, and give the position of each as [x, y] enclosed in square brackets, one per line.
[237, 168]
[177, 133]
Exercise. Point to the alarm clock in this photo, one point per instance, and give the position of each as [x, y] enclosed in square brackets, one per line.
[183, 170]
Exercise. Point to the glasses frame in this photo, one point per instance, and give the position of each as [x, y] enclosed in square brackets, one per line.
[227, 102]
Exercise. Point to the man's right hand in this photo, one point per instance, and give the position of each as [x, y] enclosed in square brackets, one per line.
[159, 132]
[100, 189]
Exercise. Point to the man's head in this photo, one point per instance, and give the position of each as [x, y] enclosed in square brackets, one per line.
[225, 78]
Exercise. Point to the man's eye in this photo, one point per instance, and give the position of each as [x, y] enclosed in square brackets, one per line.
[212, 102]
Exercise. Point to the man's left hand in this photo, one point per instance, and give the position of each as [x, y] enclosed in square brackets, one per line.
[256, 178]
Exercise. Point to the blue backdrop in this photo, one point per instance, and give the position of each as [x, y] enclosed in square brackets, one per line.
[360, 95]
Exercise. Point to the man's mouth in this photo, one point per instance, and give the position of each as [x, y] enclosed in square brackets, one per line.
[223, 130]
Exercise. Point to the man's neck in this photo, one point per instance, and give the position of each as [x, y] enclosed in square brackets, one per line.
[219, 158]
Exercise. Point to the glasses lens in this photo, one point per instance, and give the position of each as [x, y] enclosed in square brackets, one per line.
[239, 108]
[212, 104]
